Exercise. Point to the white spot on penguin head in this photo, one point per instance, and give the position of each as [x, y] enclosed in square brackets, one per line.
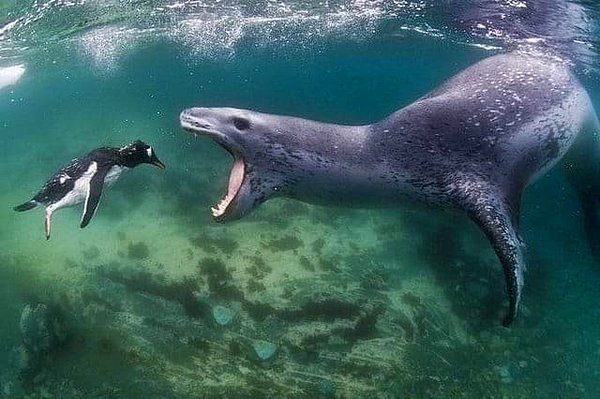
[149, 151]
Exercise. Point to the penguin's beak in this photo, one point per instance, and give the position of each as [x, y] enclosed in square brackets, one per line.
[157, 162]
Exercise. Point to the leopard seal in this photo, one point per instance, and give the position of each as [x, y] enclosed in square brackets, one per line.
[473, 144]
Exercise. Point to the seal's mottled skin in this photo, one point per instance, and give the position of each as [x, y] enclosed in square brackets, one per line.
[473, 144]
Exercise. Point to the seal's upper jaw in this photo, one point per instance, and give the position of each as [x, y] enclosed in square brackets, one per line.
[198, 122]
[205, 121]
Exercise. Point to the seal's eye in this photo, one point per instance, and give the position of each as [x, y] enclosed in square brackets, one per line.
[241, 123]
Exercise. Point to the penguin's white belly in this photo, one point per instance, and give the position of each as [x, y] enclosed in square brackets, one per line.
[113, 174]
[79, 192]
[74, 197]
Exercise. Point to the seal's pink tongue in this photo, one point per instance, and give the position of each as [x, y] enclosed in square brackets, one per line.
[236, 177]
[235, 182]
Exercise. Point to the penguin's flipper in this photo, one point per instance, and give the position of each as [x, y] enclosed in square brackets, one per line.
[93, 196]
[26, 206]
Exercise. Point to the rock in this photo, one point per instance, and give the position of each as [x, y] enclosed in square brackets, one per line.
[327, 388]
[11, 375]
[504, 374]
[265, 351]
[42, 329]
[222, 315]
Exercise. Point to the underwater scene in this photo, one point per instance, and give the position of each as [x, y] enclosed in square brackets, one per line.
[288, 287]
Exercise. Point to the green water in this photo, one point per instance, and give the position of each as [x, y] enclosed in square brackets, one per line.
[358, 303]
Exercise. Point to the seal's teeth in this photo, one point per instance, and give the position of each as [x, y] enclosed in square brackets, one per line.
[220, 208]
[235, 182]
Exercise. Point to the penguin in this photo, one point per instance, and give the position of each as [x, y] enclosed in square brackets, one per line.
[83, 179]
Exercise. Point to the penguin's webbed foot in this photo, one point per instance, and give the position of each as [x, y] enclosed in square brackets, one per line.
[48, 225]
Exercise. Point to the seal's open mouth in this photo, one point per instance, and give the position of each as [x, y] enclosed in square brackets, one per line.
[236, 178]
[238, 172]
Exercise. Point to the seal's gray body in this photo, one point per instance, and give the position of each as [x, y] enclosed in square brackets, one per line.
[473, 144]
[507, 120]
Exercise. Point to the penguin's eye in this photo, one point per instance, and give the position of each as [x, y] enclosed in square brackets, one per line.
[241, 123]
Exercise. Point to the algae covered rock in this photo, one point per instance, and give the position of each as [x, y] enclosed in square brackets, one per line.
[42, 328]
[264, 351]
[222, 315]
[43, 331]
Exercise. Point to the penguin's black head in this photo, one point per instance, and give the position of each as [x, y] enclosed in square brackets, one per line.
[137, 153]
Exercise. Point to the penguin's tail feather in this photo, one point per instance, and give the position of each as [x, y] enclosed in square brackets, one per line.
[26, 206]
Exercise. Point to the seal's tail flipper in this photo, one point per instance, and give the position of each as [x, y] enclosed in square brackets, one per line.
[26, 206]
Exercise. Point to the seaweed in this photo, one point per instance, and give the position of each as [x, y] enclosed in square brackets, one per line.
[212, 245]
[365, 325]
[412, 300]
[286, 243]
[317, 245]
[92, 296]
[255, 286]
[219, 279]
[258, 311]
[328, 265]
[306, 264]
[374, 279]
[138, 251]
[258, 261]
[259, 269]
[200, 343]
[323, 308]
[180, 291]
[407, 326]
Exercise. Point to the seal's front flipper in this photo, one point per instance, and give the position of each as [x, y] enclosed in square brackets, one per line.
[93, 196]
[497, 214]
